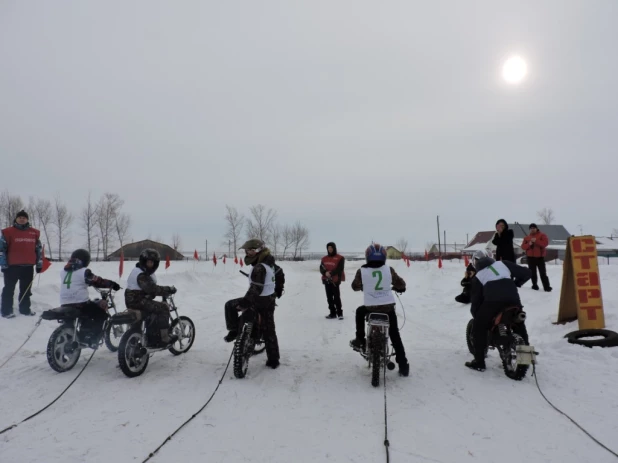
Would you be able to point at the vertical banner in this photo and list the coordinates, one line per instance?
(580, 296)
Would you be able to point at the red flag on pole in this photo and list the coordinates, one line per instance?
(408, 262)
(195, 256)
(214, 259)
(46, 261)
(223, 259)
(167, 261)
(241, 262)
(121, 264)
(236, 259)
(466, 261)
(439, 262)
(426, 255)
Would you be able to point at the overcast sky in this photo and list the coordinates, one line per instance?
(363, 120)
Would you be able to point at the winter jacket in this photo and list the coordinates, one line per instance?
(20, 245)
(504, 244)
(333, 263)
(252, 297)
(500, 291)
(399, 285)
(539, 247)
(467, 279)
(149, 289)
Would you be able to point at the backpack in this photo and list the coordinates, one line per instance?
(279, 281)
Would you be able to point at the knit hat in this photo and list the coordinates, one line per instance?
(533, 225)
(22, 213)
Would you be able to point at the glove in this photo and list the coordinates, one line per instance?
(171, 289)
(115, 286)
(37, 269)
(400, 291)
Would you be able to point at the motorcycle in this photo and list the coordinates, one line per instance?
(249, 341)
(67, 341)
(140, 342)
(377, 351)
(516, 354)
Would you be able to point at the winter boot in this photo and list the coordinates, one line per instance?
(230, 336)
(404, 369)
(476, 365)
(358, 344)
(272, 363)
(331, 315)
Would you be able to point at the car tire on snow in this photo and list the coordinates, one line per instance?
(610, 338)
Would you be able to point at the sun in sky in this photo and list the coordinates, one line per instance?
(514, 70)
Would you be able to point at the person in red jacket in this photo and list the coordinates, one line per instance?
(332, 272)
(20, 250)
(535, 245)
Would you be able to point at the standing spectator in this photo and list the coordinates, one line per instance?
(332, 272)
(20, 250)
(503, 239)
(535, 245)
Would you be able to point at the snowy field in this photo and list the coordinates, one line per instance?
(319, 406)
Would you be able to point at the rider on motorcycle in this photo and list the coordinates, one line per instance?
(492, 291)
(379, 298)
(75, 279)
(141, 290)
(260, 297)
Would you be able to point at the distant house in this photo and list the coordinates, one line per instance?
(447, 248)
(480, 242)
(393, 253)
(132, 251)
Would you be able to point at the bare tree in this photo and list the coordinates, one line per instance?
(176, 243)
(88, 217)
(402, 245)
(122, 225)
(235, 225)
(301, 239)
(10, 205)
(546, 215)
(287, 234)
(43, 212)
(62, 219)
(108, 209)
(261, 222)
(276, 235)
(31, 210)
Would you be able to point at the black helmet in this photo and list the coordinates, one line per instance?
(146, 255)
(82, 255)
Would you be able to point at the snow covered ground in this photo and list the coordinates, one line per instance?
(319, 406)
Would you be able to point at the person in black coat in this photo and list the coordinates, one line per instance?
(464, 297)
(503, 240)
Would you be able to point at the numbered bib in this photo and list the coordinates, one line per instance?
(73, 287)
(377, 284)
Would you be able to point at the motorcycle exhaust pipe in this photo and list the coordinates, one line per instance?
(390, 365)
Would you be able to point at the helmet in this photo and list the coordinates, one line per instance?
(255, 244)
(481, 254)
(375, 253)
(82, 255)
(146, 255)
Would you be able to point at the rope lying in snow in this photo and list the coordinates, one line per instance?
(386, 443)
(571, 419)
(55, 400)
(19, 348)
(195, 414)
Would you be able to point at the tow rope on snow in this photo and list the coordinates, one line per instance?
(386, 442)
(567, 416)
(169, 438)
(55, 400)
(38, 323)
(404, 312)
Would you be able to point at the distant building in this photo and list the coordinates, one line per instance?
(132, 251)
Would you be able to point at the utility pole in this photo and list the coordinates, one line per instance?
(207, 259)
(229, 247)
(467, 240)
(444, 241)
(439, 246)
(581, 230)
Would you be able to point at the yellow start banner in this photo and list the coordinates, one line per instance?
(580, 297)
